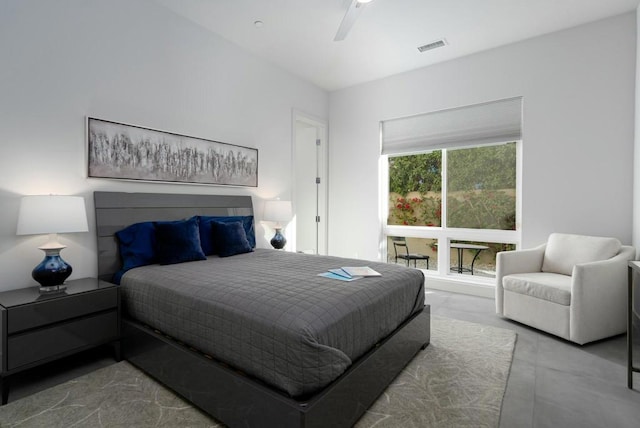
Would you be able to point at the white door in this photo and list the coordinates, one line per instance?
(310, 184)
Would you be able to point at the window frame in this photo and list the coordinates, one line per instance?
(444, 234)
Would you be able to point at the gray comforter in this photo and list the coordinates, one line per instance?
(269, 314)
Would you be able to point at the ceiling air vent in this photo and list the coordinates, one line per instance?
(433, 45)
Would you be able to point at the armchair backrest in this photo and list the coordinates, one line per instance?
(564, 251)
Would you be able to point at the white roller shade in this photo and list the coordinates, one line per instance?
(493, 122)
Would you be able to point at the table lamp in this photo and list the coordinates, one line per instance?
(52, 214)
(278, 212)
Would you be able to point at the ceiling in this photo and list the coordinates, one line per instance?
(297, 35)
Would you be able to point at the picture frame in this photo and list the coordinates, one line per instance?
(130, 152)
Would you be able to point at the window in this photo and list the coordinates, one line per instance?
(481, 187)
(453, 193)
(415, 189)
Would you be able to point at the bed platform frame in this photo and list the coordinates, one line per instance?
(218, 389)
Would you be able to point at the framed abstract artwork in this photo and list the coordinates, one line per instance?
(129, 152)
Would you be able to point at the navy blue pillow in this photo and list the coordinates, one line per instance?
(231, 238)
(208, 239)
(178, 242)
(137, 247)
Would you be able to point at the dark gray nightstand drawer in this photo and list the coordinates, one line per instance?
(47, 312)
(33, 346)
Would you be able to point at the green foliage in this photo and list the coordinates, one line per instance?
(422, 210)
(482, 209)
(404, 211)
(481, 188)
(486, 167)
(431, 212)
(479, 209)
(415, 173)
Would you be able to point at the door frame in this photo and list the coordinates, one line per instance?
(322, 128)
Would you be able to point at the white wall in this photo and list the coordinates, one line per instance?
(133, 62)
(636, 153)
(578, 89)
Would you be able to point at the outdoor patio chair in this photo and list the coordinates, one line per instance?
(401, 251)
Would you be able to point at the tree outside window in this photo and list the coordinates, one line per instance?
(480, 191)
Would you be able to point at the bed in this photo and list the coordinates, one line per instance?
(248, 367)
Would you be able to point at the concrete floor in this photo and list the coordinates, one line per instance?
(553, 383)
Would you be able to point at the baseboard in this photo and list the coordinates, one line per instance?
(458, 286)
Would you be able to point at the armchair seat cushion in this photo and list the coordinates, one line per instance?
(552, 287)
(564, 251)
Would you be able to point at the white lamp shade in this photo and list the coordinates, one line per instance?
(44, 214)
(278, 211)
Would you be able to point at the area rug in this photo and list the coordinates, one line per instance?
(458, 381)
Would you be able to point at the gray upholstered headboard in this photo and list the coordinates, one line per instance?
(117, 210)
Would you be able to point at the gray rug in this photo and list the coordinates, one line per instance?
(458, 381)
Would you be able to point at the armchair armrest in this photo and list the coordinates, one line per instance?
(520, 261)
(599, 297)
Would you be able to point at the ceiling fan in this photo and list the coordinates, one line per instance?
(355, 8)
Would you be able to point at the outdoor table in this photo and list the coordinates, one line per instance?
(460, 247)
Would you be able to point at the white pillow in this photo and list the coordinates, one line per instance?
(564, 251)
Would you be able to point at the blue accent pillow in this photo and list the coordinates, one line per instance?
(178, 241)
(137, 247)
(208, 240)
(231, 238)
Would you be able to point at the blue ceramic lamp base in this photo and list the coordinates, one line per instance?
(52, 272)
(278, 241)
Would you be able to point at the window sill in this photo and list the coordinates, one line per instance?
(460, 284)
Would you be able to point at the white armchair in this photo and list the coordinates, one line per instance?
(573, 286)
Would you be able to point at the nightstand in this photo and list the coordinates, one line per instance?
(37, 328)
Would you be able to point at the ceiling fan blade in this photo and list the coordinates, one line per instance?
(355, 8)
